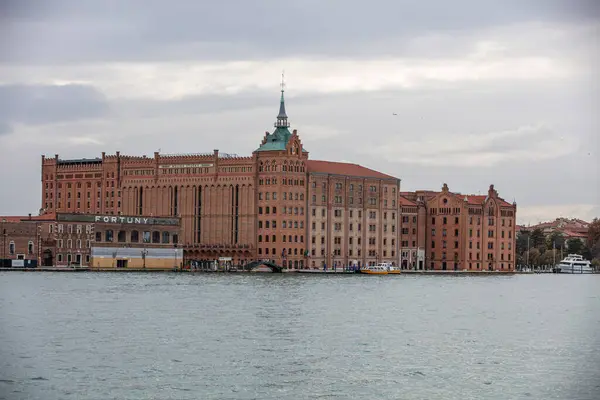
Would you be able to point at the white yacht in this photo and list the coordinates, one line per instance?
(574, 264)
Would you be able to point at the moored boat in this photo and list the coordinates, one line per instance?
(393, 269)
(574, 264)
(374, 269)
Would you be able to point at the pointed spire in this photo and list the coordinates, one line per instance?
(282, 121)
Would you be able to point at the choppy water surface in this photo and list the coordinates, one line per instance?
(285, 336)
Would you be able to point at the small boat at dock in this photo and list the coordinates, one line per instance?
(379, 269)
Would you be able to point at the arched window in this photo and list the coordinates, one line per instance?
(166, 237)
(259, 238)
(30, 247)
(121, 237)
(108, 235)
(135, 236)
(155, 237)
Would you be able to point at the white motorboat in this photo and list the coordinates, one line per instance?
(574, 264)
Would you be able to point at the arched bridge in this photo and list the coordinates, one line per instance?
(274, 267)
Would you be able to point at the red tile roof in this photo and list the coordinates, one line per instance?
(339, 168)
(405, 202)
(574, 234)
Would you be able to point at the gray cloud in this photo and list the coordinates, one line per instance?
(5, 128)
(42, 104)
(433, 118)
(73, 31)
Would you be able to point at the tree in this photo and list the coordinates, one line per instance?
(534, 256)
(575, 246)
(548, 258)
(593, 239)
(596, 264)
(537, 238)
(555, 240)
(521, 242)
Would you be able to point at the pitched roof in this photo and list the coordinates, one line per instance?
(406, 202)
(569, 233)
(339, 168)
(277, 140)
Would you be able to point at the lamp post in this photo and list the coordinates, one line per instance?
(39, 250)
(144, 253)
(4, 234)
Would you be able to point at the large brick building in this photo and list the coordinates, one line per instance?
(63, 240)
(453, 231)
(275, 204)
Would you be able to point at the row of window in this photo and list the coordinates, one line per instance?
(284, 252)
(284, 238)
(490, 256)
(456, 266)
(340, 186)
(71, 259)
(284, 224)
(284, 181)
(79, 185)
(272, 167)
(273, 196)
(491, 221)
(286, 210)
(339, 200)
(490, 245)
(12, 249)
(337, 226)
(78, 243)
(78, 205)
(156, 237)
(370, 253)
(338, 241)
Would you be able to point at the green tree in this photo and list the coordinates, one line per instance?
(548, 258)
(537, 238)
(555, 240)
(534, 256)
(521, 242)
(575, 246)
(593, 239)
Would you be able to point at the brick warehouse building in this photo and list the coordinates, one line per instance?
(73, 239)
(275, 204)
(452, 231)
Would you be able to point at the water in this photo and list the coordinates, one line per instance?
(285, 336)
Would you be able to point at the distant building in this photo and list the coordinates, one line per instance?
(23, 242)
(279, 205)
(66, 239)
(568, 228)
(459, 232)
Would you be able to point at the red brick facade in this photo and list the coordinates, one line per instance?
(277, 204)
(461, 232)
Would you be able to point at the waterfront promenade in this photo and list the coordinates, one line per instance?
(300, 271)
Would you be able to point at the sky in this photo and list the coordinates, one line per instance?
(468, 93)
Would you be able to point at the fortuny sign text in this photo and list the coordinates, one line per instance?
(121, 220)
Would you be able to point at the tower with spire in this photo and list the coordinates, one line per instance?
(282, 121)
(281, 136)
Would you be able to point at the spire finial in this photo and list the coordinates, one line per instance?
(282, 116)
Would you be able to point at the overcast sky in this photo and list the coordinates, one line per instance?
(467, 92)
